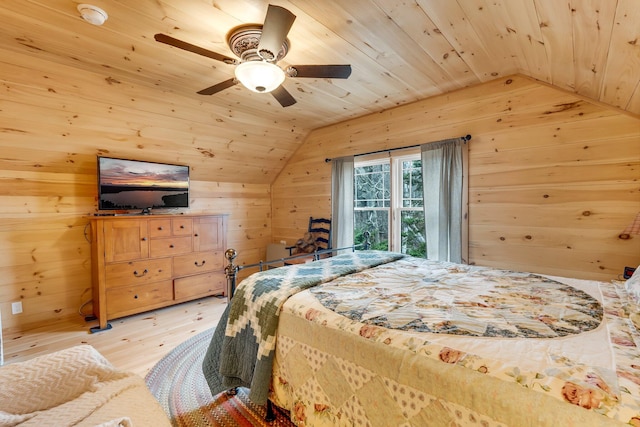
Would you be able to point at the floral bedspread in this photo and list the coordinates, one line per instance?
(462, 300)
(340, 365)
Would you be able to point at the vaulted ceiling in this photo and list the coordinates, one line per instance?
(400, 51)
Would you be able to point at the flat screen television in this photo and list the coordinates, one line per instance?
(133, 184)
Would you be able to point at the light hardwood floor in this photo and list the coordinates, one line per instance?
(135, 343)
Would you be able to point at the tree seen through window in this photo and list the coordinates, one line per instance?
(376, 204)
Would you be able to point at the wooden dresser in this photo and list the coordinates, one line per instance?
(144, 262)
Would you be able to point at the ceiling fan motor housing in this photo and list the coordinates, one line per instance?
(243, 42)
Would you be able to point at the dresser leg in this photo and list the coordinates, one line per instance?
(95, 329)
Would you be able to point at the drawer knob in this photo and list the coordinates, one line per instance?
(200, 265)
(160, 228)
(144, 239)
(135, 273)
(196, 234)
(182, 226)
(135, 297)
(171, 246)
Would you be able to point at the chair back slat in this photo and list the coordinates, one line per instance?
(321, 228)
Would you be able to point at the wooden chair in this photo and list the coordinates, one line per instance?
(321, 230)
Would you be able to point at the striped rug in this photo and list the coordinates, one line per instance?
(179, 385)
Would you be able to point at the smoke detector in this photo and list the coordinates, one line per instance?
(92, 14)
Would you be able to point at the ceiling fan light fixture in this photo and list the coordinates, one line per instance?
(259, 76)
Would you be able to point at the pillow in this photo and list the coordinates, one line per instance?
(632, 286)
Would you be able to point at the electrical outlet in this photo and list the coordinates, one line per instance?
(16, 307)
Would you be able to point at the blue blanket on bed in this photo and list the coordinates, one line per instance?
(243, 346)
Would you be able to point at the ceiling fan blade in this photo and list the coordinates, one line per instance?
(283, 96)
(276, 26)
(163, 38)
(320, 71)
(218, 87)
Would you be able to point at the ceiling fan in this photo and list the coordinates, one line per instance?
(259, 47)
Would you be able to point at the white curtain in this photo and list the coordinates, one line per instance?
(342, 202)
(445, 199)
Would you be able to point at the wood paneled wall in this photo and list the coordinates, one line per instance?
(554, 178)
(54, 121)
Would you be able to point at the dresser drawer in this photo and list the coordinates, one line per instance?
(199, 285)
(160, 227)
(198, 262)
(137, 272)
(182, 227)
(124, 300)
(169, 246)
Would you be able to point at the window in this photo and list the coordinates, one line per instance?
(388, 203)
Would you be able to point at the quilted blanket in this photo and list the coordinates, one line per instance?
(444, 298)
(242, 348)
(396, 345)
(75, 387)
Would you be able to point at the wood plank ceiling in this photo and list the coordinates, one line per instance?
(400, 51)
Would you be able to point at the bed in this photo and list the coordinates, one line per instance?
(376, 339)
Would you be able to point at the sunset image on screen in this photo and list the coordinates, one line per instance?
(119, 172)
(132, 184)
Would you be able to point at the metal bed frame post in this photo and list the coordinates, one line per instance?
(231, 272)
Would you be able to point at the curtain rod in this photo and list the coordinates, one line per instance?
(327, 160)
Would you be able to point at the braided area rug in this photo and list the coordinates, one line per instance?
(179, 385)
